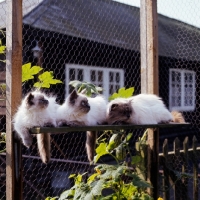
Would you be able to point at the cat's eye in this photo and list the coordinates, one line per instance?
(83, 103)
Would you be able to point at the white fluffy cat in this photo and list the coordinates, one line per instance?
(141, 109)
(80, 110)
(36, 109)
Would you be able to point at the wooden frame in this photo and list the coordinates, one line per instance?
(149, 84)
(13, 94)
(149, 81)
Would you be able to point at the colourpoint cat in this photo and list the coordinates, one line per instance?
(141, 109)
(80, 110)
(36, 109)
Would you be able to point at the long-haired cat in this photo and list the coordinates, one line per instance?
(36, 109)
(141, 109)
(80, 110)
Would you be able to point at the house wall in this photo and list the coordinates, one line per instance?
(165, 63)
(60, 50)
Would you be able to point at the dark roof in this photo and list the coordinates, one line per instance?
(113, 23)
(104, 21)
(28, 5)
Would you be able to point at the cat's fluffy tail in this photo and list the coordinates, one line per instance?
(177, 117)
(90, 144)
(44, 147)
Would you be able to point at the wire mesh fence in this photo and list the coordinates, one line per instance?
(99, 41)
(178, 83)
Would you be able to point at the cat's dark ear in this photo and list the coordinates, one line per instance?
(73, 96)
(29, 99)
(114, 106)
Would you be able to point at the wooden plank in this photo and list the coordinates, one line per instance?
(13, 89)
(190, 151)
(149, 79)
(66, 129)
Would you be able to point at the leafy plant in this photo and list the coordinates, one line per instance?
(2, 47)
(28, 72)
(51, 198)
(123, 93)
(87, 87)
(45, 79)
(2, 142)
(120, 181)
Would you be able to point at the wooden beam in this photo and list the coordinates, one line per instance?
(65, 129)
(149, 81)
(149, 46)
(13, 89)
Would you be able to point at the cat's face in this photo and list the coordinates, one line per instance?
(119, 113)
(36, 100)
(79, 103)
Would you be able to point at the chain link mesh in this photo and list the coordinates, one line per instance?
(99, 41)
(178, 85)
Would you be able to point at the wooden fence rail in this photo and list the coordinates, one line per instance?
(176, 173)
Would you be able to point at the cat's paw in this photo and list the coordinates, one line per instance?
(49, 124)
(27, 141)
(119, 123)
(74, 123)
(62, 123)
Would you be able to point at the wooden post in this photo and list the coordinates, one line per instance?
(166, 171)
(149, 81)
(149, 46)
(185, 168)
(177, 181)
(13, 89)
(195, 169)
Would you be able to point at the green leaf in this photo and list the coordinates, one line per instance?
(100, 151)
(114, 141)
(66, 194)
(137, 181)
(2, 49)
(75, 83)
(96, 190)
(81, 191)
(128, 190)
(87, 86)
(72, 175)
(122, 93)
(78, 178)
(135, 159)
(46, 79)
(28, 72)
(120, 152)
(92, 178)
(128, 137)
(51, 198)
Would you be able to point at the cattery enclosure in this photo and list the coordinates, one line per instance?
(112, 45)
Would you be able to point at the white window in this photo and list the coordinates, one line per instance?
(108, 78)
(181, 90)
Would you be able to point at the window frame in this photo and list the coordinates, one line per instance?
(86, 76)
(182, 107)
